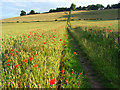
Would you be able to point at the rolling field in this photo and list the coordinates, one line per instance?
(102, 14)
(42, 54)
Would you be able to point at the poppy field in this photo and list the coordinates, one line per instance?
(40, 56)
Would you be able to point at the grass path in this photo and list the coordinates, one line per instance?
(86, 65)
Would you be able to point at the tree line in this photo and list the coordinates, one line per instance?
(89, 7)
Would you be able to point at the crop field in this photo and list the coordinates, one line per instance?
(43, 54)
(32, 57)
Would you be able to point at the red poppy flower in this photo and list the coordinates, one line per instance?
(74, 53)
(94, 32)
(16, 66)
(40, 36)
(54, 44)
(66, 81)
(28, 36)
(73, 73)
(8, 64)
(62, 71)
(13, 38)
(110, 30)
(60, 39)
(36, 55)
(53, 81)
(25, 60)
(31, 59)
(11, 54)
(44, 43)
(38, 85)
(8, 60)
(6, 56)
(16, 51)
(80, 73)
(53, 39)
(65, 44)
(33, 65)
(54, 36)
(38, 68)
(12, 49)
(21, 41)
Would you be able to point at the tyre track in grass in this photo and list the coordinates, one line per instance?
(85, 64)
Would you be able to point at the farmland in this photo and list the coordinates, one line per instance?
(42, 54)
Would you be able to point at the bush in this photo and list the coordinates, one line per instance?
(56, 20)
(17, 21)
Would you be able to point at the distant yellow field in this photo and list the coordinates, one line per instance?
(101, 14)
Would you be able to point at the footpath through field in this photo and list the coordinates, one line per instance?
(85, 64)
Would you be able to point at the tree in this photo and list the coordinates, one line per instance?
(73, 6)
(108, 7)
(22, 13)
(32, 12)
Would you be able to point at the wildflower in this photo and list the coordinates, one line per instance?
(28, 36)
(54, 44)
(66, 81)
(11, 54)
(53, 81)
(44, 43)
(80, 73)
(12, 49)
(13, 38)
(62, 71)
(16, 51)
(8, 60)
(16, 66)
(33, 65)
(73, 73)
(8, 64)
(74, 53)
(37, 84)
(31, 59)
(54, 36)
(60, 39)
(36, 55)
(25, 60)
(6, 56)
(110, 30)
(21, 41)
(65, 44)
(94, 32)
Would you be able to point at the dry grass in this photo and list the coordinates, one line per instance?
(102, 14)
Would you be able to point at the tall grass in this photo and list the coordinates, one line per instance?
(101, 46)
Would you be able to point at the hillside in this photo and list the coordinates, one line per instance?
(91, 14)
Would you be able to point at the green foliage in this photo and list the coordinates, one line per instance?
(101, 46)
(73, 6)
(22, 13)
(32, 12)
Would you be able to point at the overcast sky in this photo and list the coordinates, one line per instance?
(12, 8)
